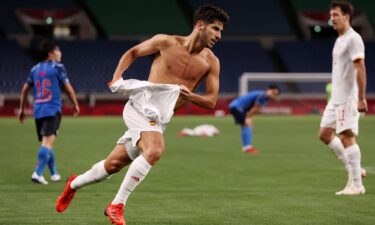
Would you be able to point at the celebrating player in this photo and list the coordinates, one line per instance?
(180, 63)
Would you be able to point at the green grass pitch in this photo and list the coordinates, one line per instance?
(198, 181)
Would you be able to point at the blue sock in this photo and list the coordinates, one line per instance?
(43, 157)
(247, 136)
(51, 162)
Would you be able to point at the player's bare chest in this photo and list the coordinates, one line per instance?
(186, 66)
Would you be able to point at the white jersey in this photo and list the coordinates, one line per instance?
(348, 48)
(155, 101)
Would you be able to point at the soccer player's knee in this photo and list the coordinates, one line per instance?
(114, 166)
(322, 137)
(325, 136)
(154, 154)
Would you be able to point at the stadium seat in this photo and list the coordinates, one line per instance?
(14, 66)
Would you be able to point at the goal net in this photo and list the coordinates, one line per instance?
(292, 85)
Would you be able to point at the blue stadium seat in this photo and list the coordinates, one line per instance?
(9, 22)
(90, 64)
(237, 57)
(251, 17)
(316, 56)
(305, 56)
(14, 66)
(370, 66)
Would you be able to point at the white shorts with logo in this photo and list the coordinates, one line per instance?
(341, 117)
(136, 123)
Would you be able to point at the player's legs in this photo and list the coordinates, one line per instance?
(345, 122)
(247, 133)
(347, 126)
(328, 137)
(48, 140)
(115, 161)
(151, 144)
(46, 130)
(246, 129)
(247, 137)
(152, 147)
(353, 154)
(149, 141)
(327, 134)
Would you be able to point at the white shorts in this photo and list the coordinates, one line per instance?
(136, 123)
(341, 117)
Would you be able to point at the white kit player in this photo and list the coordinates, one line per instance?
(341, 114)
(180, 64)
(203, 130)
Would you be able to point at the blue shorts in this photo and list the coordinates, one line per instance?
(238, 114)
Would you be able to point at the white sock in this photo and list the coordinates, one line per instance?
(96, 174)
(338, 148)
(353, 154)
(136, 173)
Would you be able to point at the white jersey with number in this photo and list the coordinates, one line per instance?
(348, 48)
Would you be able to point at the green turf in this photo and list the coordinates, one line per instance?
(199, 181)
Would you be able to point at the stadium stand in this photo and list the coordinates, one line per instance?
(370, 66)
(316, 56)
(306, 56)
(15, 64)
(117, 17)
(246, 17)
(9, 22)
(239, 56)
(322, 6)
(90, 64)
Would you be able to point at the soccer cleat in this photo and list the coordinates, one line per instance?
(38, 179)
(251, 150)
(352, 190)
(63, 201)
(115, 213)
(56, 177)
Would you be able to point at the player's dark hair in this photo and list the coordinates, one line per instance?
(345, 6)
(275, 87)
(210, 13)
(45, 47)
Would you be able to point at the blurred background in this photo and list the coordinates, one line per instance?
(277, 37)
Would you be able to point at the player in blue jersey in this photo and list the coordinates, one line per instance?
(245, 107)
(47, 78)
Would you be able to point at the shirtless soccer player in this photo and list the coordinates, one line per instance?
(180, 63)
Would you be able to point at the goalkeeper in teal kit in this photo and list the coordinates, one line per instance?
(244, 107)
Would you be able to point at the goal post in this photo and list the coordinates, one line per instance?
(246, 78)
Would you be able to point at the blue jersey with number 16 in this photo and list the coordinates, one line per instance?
(47, 79)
